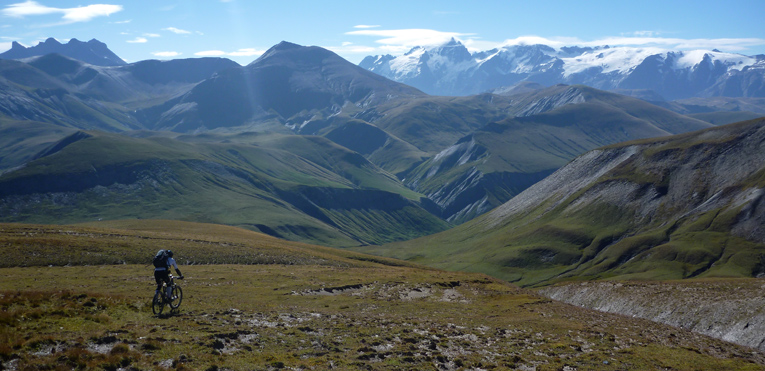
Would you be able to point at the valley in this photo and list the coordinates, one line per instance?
(333, 215)
(663, 208)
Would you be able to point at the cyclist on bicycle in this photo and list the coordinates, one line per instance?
(162, 271)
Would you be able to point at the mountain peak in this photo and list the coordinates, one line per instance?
(277, 49)
(452, 42)
(93, 52)
(50, 41)
(286, 45)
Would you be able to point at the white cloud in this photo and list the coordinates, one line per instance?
(210, 53)
(247, 52)
(353, 49)
(645, 33)
(401, 41)
(138, 40)
(727, 44)
(166, 54)
(176, 30)
(69, 15)
(151, 35)
(556, 42)
(409, 37)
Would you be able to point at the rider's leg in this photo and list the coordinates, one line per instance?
(158, 278)
(169, 288)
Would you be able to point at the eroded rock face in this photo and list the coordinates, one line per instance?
(731, 310)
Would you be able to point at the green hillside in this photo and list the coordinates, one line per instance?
(21, 141)
(677, 207)
(294, 187)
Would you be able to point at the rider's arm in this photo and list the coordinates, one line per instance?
(175, 265)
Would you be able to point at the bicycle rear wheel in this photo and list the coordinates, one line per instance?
(157, 304)
(178, 294)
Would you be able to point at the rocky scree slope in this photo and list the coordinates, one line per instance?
(731, 310)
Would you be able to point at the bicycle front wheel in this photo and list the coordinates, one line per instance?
(157, 304)
(178, 295)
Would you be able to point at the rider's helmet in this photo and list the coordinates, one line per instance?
(170, 253)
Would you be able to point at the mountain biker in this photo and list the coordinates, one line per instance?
(162, 272)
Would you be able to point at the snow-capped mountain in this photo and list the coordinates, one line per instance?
(450, 69)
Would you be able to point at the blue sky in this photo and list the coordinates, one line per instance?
(243, 29)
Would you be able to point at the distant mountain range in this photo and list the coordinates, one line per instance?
(360, 158)
(92, 52)
(450, 69)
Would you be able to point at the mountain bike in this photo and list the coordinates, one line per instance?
(161, 299)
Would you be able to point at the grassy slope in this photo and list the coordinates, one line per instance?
(227, 183)
(598, 240)
(434, 123)
(299, 306)
(722, 118)
(22, 140)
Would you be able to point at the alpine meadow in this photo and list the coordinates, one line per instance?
(410, 195)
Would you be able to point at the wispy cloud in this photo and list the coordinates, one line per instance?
(152, 35)
(355, 49)
(210, 53)
(366, 26)
(406, 38)
(246, 52)
(166, 54)
(176, 30)
(69, 15)
(726, 44)
(402, 40)
(642, 33)
(138, 40)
